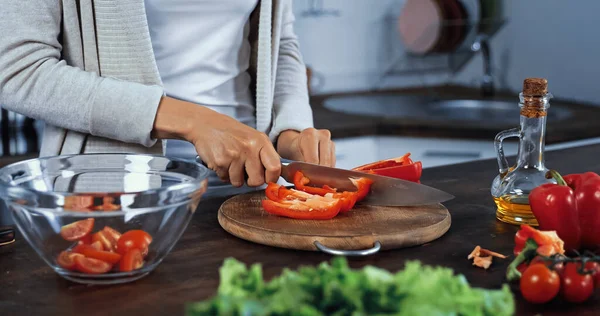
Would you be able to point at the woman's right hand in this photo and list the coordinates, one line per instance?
(230, 148)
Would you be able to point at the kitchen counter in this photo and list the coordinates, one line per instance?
(580, 125)
(190, 272)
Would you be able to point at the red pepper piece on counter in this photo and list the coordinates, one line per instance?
(548, 242)
(402, 168)
(586, 192)
(529, 243)
(555, 207)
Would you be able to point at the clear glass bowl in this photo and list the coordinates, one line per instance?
(123, 191)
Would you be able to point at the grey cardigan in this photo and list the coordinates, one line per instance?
(87, 69)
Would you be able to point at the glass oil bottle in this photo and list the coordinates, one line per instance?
(510, 189)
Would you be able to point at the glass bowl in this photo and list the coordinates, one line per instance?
(124, 192)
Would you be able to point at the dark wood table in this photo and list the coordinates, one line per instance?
(29, 287)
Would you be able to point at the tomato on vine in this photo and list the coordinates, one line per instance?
(576, 287)
(539, 284)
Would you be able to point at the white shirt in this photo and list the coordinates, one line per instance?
(202, 52)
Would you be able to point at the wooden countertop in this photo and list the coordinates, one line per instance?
(190, 271)
(581, 125)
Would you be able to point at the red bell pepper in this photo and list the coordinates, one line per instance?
(571, 207)
(555, 208)
(402, 168)
(586, 190)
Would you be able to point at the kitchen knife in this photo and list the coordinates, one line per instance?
(385, 191)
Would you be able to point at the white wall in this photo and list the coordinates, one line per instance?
(555, 39)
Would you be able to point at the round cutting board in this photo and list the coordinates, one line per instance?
(360, 228)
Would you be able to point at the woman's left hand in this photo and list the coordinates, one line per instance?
(311, 145)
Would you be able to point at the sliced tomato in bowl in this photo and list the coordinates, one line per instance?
(92, 252)
(66, 259)
(104, 238)
(77, 230)
(91, 265)
(134, 239)
(132, 260)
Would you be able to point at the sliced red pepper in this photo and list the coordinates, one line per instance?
(272, 191)
(316, 207)
(348, 199)
(363, 187)
(300, 182)
(555, 207)
(402, 168)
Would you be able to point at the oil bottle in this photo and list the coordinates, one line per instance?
(511, 188)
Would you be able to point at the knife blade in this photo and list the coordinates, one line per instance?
(385, 191)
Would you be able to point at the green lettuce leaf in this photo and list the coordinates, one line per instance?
(336, 289)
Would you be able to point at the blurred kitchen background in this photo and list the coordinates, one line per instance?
(437, 78)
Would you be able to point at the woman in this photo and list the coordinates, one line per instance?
(119, 75)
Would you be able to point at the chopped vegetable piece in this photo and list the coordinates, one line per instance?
(314, 208)
(66, 259)
(77, 230)
(91, 252)
(402, 168)
(132, 260)
(483, 257)
(108, 243)
(91, 265)
(483, 262)
(115, 235)
(300, 182)
(363, 187)
(134, 239)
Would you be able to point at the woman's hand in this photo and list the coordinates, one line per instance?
(227, 146)
(310, 145)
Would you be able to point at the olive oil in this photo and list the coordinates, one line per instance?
(514, 209)
(511, 187)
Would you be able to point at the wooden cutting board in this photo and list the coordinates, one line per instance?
(360, 228)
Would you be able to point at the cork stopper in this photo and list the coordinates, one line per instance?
(535, 87)
(534, 91)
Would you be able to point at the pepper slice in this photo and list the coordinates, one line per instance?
(300, 182)
(363, 187)
(402, 168)
(316, 207)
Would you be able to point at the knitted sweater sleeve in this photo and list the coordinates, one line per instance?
(291, 108)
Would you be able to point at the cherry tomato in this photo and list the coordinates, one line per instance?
(114, 234)
(576, 287)
(108, 243)
(539, 284)
(91, 265)
(77, 230)
(132, 260)
(87, 240)
(91, 252)
(134, 239)
(66, 259)
(594, 268)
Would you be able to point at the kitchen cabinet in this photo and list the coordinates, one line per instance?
(432, 152)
